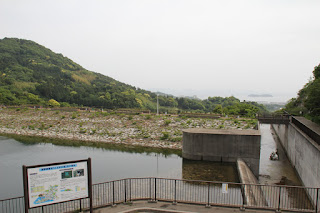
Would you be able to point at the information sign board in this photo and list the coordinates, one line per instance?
(58, 182)
(224, 188)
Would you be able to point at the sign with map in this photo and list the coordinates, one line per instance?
(55, 183)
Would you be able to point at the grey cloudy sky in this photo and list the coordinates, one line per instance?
(189, 47)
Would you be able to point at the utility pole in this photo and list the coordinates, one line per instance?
(157, 104)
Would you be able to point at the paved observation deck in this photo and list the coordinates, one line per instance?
(144, 206)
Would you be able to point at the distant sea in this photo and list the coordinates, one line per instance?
(266, 100)
(242, 95)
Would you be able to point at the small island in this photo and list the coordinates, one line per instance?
(260, 95)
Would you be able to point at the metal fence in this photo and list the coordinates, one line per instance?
(274, 119)
(207, 193)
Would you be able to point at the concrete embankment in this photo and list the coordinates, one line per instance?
(253, 194)
(302, 151)
(300, 140)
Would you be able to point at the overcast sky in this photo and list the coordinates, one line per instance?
(186, 47)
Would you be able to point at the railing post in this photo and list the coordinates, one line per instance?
(80, 205)
(242, 208)
(317, 200)
(150, 188)
(155, 189)
(125, 190)
(175, 193)
(279, 199)
(153, 198)
(208, 203)
(130, 189)
(113, 193)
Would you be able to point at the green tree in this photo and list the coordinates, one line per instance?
(53, 103)
(316, 72)
(312, 101)
(33, 99)
(218, 109)
(308, 101)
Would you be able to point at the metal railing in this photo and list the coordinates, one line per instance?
(313, 135)
(274, 119)
(207, 193)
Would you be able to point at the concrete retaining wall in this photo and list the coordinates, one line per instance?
(302, 151)
(223, 146)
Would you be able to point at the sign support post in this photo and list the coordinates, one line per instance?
(90, 184)
(25, 189)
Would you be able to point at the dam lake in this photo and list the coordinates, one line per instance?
(111, 162)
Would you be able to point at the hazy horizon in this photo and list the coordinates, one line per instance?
(204, 94)
(203, 48)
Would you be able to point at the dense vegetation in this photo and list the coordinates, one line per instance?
(307, 102)
(33, 74)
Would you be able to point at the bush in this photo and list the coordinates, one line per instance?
(53, 103)
(176, 139)
(93, 131)
(31, 127)
(165, 136)
(74, 115)
(167, 122)
(82, 130)
(65, 104)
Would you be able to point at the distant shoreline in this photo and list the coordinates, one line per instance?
(90, 140)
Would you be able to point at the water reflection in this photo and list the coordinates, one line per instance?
(109, 162)
(209, 171)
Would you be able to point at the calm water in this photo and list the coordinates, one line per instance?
(107, 164)
(115, 163)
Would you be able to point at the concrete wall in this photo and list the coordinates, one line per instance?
(223, 145)
(302, 151)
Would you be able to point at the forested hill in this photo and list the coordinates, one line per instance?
(33, 74)
(307, 103)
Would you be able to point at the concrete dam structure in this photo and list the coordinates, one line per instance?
(301, 141)
(223, 146)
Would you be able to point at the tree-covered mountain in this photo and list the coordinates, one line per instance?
(33, 74)
(307, 102)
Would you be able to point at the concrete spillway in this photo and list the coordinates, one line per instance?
(253, 194)
(223, 146)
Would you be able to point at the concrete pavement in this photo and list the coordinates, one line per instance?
(144, 207)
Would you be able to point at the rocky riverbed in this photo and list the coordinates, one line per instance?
(161, 131)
